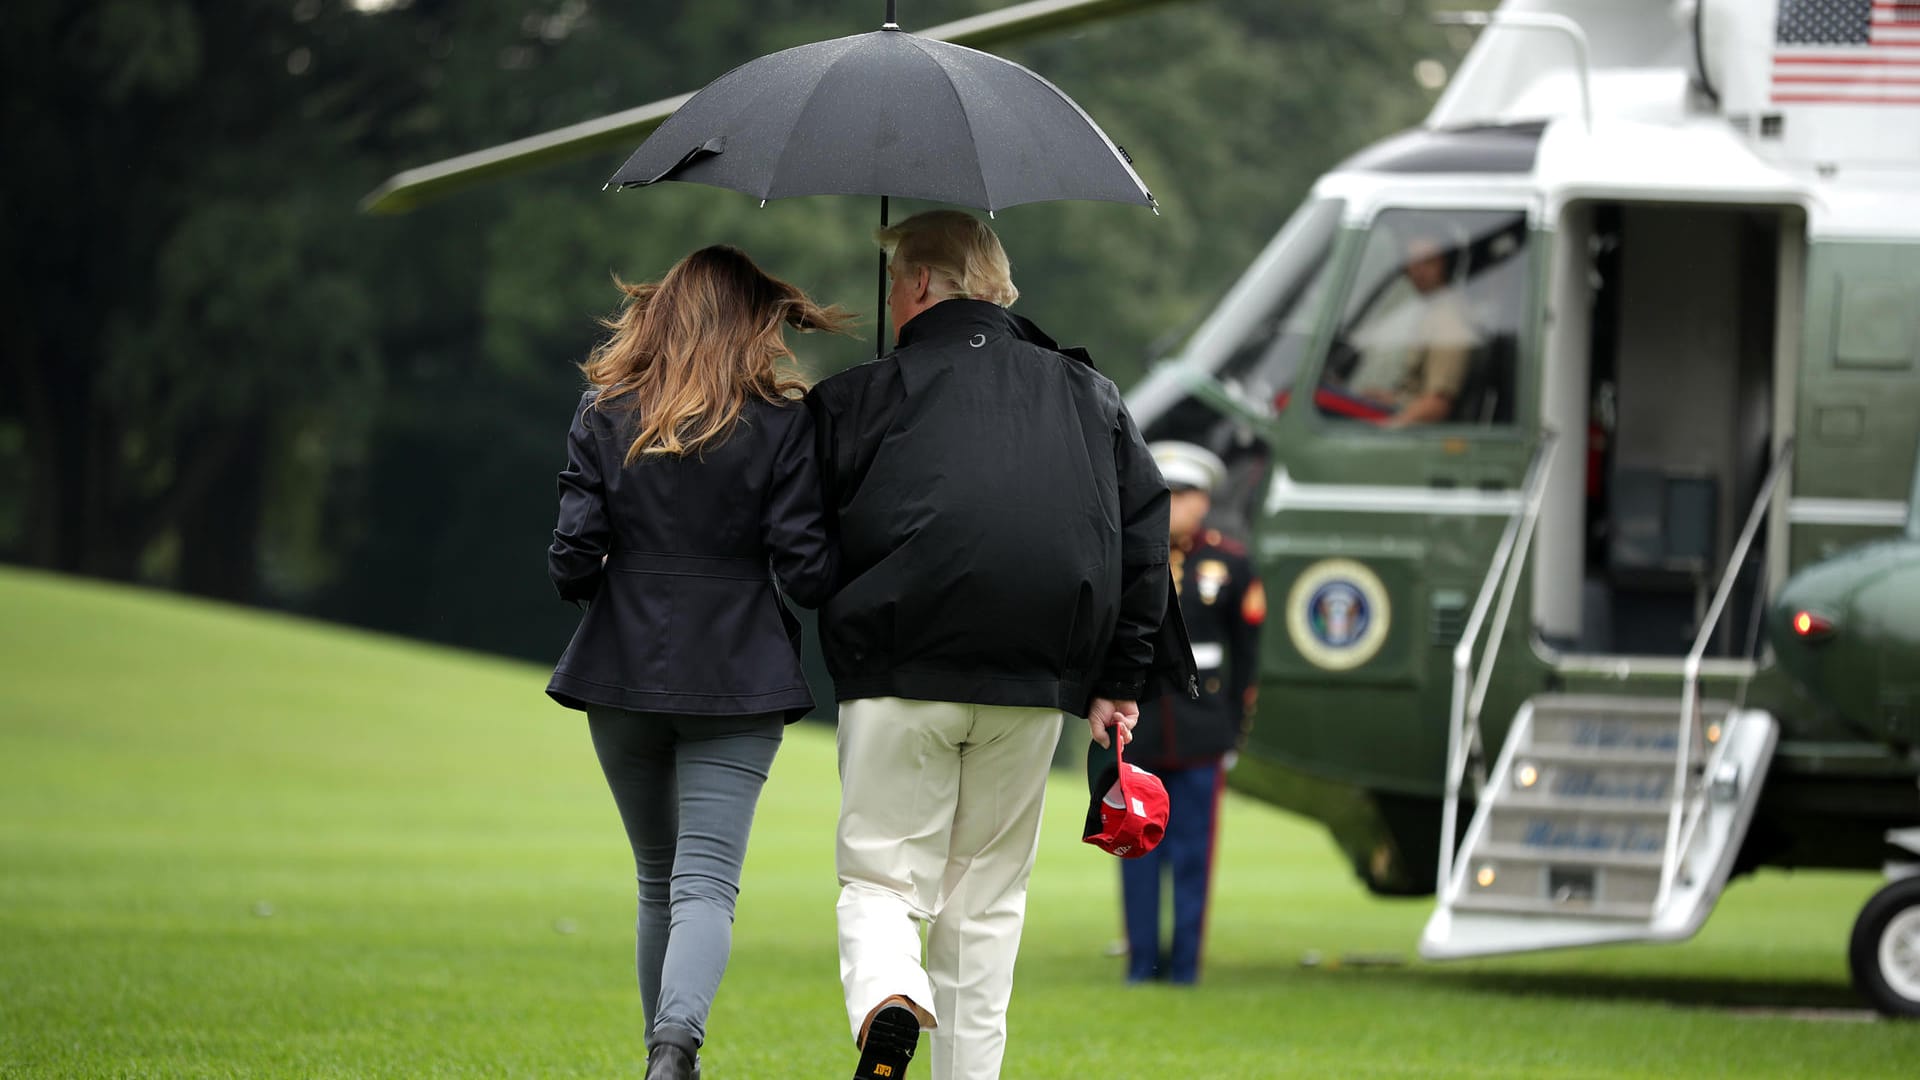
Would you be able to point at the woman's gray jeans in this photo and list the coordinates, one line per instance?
(686, 787)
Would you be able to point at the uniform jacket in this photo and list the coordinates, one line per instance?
(683, 617)
(1224, 605)
(1002, 527)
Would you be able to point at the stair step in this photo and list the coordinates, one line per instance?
(1637, 785)
(1567, 754)
(1637, 734)
(1559, 705)
(1511, 905)
(1624, 724)
(1586, 866)
(1534, 804)
(1629, 835)
(1524, 853)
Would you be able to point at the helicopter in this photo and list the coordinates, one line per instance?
(1633, 609)
(1576, 436)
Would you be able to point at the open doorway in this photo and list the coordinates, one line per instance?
(1673, 435)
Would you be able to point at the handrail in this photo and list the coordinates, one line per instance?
(1696, 812)
(1530, 517)
(1690, 685)
(1459, 746)
(1502, 769)
(1913, 502)
(1514, 20)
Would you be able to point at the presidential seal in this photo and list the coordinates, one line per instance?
(1338, 614)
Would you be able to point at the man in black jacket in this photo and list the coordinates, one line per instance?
(1003, 539)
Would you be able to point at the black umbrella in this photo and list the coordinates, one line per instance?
(887, 113)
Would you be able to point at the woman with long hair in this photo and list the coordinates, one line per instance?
(691, 486)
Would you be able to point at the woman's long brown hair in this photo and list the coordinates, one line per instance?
(688, 350)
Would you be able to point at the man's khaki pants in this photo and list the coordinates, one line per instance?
(939, 821)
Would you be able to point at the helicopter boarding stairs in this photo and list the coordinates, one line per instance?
(1607, 817)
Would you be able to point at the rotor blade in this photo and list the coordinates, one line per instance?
(1022, 21)
(406, 190)
(409, 189)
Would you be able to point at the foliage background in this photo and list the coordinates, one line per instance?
(217, 376)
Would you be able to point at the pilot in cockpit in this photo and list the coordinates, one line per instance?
(1415, 345)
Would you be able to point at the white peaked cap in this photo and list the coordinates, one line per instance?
(1186, 465)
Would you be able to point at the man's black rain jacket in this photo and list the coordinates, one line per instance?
(1002, 527)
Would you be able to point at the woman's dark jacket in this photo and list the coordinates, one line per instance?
(683, 617)
(1002, 526)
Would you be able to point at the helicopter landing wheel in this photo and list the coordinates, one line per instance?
(1885, 950)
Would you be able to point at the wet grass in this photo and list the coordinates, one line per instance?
(239, 845)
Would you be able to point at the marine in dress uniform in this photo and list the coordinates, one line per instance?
(1186, 742)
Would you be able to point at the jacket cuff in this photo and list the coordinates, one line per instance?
(1120, 686)
(579, 591)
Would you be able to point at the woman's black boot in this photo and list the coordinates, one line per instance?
(669, 1062)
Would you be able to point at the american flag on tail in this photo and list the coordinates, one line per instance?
(1847, 52)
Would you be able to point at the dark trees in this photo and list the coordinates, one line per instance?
(216, 375)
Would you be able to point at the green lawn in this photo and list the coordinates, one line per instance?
(240, 845)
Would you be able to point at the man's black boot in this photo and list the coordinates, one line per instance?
(889, 1045)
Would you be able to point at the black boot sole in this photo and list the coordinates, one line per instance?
(891, 1040)
(660, 1063)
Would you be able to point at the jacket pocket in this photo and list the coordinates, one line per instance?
(857, 626)
(624, 635)
(731, 639)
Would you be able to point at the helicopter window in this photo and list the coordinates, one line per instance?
(1267, 359)
(1431, 326)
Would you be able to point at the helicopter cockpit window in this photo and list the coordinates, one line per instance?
(1271, 334)
(1265, 362)
(1430, 331)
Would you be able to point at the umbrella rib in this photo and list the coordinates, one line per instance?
(920, 45)
(1112, 147)
(790, 144)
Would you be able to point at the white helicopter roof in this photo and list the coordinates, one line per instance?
(1562, 100)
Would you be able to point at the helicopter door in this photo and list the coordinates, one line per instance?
(1664, 369)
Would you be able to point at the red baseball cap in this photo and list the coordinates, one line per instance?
(1127, 814)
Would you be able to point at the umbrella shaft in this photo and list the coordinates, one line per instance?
(891, 20)
(880, 307)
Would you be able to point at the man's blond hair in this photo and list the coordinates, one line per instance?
(963, 255)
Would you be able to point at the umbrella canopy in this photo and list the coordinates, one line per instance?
(887, 113)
